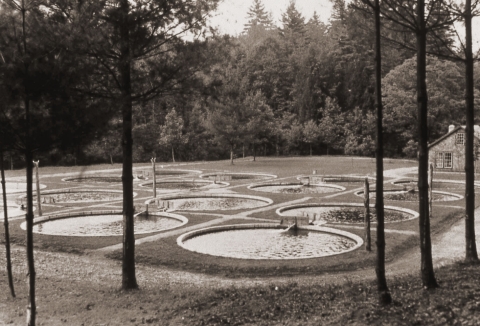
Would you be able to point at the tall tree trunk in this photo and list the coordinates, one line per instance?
(231, 155)
(471, 247)
(427, 273)
(243, 150)
(254, 151)
(31, 308)
(128, 264)
(383, 291)
(5, 225)
(173, 155)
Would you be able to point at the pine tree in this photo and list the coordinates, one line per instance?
(258, 16)
(293, 21)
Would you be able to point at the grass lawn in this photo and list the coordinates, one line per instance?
(180, 287)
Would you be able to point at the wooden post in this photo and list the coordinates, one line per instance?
(39, 205)
(430, 188)
(368, 239)
(154, 177)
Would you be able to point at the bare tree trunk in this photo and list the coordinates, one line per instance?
(128, 264)
(173, 155)
(111, 159)
(427, 273)
(366, 195)
(5, 225)
(470, 245)
(231, 155)
(383, 291)
(254, 151)
(243, 150)
(31, 308)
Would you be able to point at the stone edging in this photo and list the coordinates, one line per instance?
(191, 234)
(413, 213)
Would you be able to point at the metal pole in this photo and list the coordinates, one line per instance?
(366, 202)
(39, 205)
(154, 177)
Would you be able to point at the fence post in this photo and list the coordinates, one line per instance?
(430, 189)
(366, 193)
(39, 205)
(154, 177)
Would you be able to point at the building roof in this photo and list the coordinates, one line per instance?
(476, 132)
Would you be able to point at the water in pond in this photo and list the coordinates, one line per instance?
(269, 244)
(16, 187)
(215, 203)
(295, 189)
(73, 197)
(103, 225)
(98, 179)
(338, 214)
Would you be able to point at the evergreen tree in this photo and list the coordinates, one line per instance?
(258, 16)
(293, 22)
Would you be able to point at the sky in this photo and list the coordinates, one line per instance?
(232, 15)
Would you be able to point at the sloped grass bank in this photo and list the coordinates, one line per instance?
(307, 301)
(456, 302)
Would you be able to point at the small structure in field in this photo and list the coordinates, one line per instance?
(448, 152)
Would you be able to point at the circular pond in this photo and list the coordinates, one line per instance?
(344, 213)
(412, 195)
(16, 187)
(269, 242)
(107, 224)
(228, 176)
(210, 202)
(319, 179)
(194, 185)
(439, 184)
(95, 179)
(13, 210)
(175, 172)
(78, 195)
(296, 188)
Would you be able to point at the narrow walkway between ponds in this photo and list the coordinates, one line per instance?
(242, 215)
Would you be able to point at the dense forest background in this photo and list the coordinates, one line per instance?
(300, 88)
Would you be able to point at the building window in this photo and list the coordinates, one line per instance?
(460, 138)
(439, 160)
(444, 160)
(447, 160)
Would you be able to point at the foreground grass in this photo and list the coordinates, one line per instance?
(304, 302)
